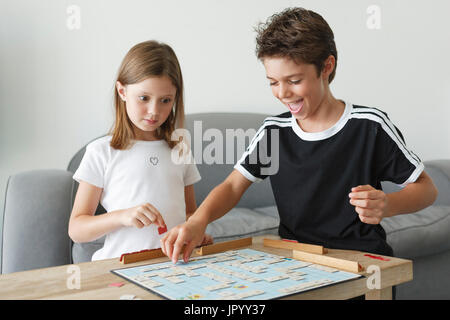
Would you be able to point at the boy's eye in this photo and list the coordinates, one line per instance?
(273, 83)
(295, 81)
(143, 98)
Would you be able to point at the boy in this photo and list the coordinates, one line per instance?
(332, 154)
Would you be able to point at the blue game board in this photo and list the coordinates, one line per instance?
(233, 275)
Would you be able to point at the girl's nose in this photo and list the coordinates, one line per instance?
(152, 107)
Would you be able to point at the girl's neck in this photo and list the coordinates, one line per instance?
(141, 135)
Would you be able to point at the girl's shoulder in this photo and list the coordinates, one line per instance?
(101, 144)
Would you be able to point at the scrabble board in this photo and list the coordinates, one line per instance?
(233, 275)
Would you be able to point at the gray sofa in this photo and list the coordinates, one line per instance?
(38, 205)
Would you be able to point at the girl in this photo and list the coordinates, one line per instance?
(130, 171)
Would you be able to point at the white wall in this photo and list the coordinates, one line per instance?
(56, 84)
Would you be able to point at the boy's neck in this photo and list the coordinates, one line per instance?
(326, 115)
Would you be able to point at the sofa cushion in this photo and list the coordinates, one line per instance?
(82, 252)
(228, 134)
(270, 211)
(419, 234)
(242, 223)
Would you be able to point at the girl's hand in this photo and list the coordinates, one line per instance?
(141, 216)
(370, 204)
(207, 239)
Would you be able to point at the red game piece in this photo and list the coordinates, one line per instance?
(116, 284)
(377, 257)
(162, 230)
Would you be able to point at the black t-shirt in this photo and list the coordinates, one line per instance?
(312, 174)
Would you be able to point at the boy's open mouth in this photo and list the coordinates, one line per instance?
(296, 106)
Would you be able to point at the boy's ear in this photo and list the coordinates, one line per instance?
(121, 90)
(328, 66)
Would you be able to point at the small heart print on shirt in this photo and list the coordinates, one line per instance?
(154, 160)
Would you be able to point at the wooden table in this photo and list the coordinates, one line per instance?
(95, 277)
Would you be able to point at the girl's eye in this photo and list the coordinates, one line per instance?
(143, 98)
(166, 100)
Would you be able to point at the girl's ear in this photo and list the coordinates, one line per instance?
(121, 90)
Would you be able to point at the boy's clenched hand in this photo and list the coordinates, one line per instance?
(370, 204)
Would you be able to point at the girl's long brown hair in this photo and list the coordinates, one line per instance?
(145, 60)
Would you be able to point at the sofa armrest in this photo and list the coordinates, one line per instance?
(443, 165)
(439, 171)
(35, 220)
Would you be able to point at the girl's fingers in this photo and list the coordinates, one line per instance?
(144, 219)
(146, 216)
(137, 223)
(156, 216)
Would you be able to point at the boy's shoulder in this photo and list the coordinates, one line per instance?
(376, 117)
(282, 116)
(365, 109)
(281, 120)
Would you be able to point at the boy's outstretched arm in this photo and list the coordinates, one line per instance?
(218, 202)
(373, 205)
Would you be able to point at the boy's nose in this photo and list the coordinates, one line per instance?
(283, 91)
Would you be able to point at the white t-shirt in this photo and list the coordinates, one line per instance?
(143, 173)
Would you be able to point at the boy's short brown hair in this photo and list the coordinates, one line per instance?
(299, 34)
